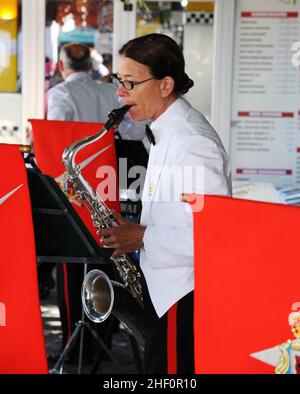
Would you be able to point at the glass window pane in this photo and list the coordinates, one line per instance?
(86, 21)
(9, 30)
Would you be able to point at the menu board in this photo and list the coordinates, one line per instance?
(265, 123)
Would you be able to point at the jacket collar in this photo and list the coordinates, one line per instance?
(161, 126)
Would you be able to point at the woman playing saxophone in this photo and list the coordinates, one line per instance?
(151, 78)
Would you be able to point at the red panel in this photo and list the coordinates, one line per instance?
(22, 347)
(51, 137)
(246, 280)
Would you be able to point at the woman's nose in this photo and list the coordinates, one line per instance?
(121, 91)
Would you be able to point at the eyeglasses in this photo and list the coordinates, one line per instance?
(128, 85)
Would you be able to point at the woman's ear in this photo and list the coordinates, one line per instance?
(167, 86)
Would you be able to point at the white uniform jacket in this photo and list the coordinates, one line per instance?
(188, 157)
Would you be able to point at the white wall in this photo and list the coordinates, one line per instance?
(198, 48)
(33, 61)
(224, 24)
(124, 27)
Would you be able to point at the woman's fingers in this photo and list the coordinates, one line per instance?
(109, 241)
(119, 217)
(105, 232)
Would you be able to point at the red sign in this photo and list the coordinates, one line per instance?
(246, 281)
(22, 347)
(51, 137)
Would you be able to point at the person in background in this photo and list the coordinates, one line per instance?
(80, 98)
(151, 77)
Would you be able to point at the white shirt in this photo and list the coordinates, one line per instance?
(80, 98)
(187, 145)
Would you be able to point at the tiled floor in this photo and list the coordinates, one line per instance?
(121, 347)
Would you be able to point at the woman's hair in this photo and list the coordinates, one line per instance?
(163, 57)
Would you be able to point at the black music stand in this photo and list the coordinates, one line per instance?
(61, 236)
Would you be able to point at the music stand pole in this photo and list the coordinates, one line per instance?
(82, 331)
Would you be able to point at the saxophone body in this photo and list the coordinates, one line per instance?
(100, 295)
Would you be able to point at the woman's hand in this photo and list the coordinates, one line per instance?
(125, 238)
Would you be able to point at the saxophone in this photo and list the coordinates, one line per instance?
(100, 295)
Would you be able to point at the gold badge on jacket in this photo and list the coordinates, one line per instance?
(150, 189)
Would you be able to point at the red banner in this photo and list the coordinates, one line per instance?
(22, 347)
(246, 280)
(51, 137)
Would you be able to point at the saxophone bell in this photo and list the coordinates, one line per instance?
(102, 296)
(97, 296)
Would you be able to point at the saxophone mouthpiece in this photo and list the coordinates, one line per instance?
(116, 116)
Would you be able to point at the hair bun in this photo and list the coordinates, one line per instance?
(187, 83)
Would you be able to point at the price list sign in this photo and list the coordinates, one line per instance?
(265, 125)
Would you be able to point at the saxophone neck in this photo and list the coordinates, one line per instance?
(115, 117)
(71, 151)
